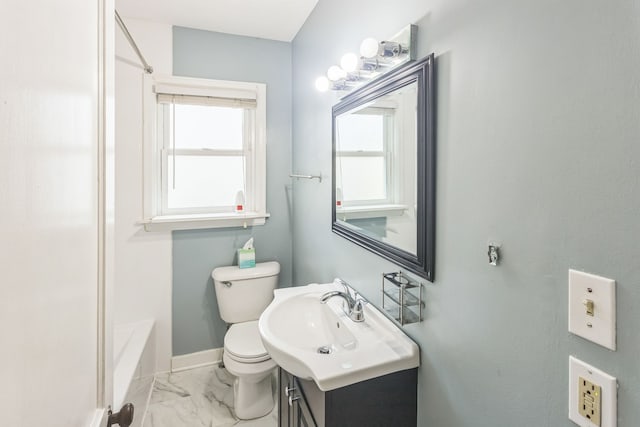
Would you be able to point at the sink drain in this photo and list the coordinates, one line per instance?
(325, 349)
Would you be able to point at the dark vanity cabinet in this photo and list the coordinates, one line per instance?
(293, 407)
(387, 401)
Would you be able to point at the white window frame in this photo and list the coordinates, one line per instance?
(387, 153)
(255, 180)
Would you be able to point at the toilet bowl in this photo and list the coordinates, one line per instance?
(246, 358)
(242, 296)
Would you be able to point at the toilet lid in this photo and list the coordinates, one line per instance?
(243, 341)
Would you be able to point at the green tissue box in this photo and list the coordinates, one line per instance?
(246, 258)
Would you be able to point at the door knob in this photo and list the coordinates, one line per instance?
(124, 418)
(288, 390)
(292, 399)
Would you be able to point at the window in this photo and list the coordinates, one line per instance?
(363, 157)
(205, 154)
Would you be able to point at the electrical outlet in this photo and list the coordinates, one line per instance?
(589, 403)
(592, 396)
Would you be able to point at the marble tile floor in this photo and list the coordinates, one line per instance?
(200, 397)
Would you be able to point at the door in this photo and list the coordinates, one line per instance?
(301, 410)
(293, 410)
(54, 234)
(285, 410)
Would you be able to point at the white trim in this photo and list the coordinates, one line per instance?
(260, 145)
(106, 206)
(370, 211)
(206, 87)
(195, 221)
(150, 153)
(208, 101)
(196, 360)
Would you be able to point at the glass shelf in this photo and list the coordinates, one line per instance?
(402, 298)
(410, 300)
(408, 316)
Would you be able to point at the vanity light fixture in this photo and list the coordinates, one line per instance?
(369, 47)
(335, 73)
(322, 84)
(349, 62)
(375, 59)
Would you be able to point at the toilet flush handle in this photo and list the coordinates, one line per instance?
(227, 284)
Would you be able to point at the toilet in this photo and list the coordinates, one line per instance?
(242, 296)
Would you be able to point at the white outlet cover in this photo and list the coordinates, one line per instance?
(601, 327)
(609, 393)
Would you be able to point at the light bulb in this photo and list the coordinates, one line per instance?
(349, 62)
(322, 84)
(369, 47)
(336, 73)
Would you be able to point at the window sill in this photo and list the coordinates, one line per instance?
(370, 211)
(199, 221)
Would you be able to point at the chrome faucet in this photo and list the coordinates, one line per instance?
(354, 303)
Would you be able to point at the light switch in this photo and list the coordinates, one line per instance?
(592, 308)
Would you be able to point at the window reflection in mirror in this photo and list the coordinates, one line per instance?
(376, 164)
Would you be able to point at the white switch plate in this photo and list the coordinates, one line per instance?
(609, 393)
(601, 327)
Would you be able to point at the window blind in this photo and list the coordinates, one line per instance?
(212, 101)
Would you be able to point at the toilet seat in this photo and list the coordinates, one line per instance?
(242, 343)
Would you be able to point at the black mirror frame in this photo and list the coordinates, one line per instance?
(422, 72)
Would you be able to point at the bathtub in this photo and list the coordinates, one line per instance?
(133, 365)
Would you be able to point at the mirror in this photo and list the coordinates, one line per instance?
(384, 167)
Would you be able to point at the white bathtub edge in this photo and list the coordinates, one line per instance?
(125, 370)
(196, 360)
(148, 401)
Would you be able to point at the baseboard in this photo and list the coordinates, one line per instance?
(196, 360)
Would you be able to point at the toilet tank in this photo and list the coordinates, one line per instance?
(244, 293)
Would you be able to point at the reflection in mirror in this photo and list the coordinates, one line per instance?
(384, 167)
(376, 168)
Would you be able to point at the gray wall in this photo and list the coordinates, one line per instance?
(196, 321)
(538, 147)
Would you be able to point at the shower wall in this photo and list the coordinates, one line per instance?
(142, 259)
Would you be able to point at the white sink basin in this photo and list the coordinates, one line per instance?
(318, 341)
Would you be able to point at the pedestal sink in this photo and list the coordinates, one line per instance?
(319, 342)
